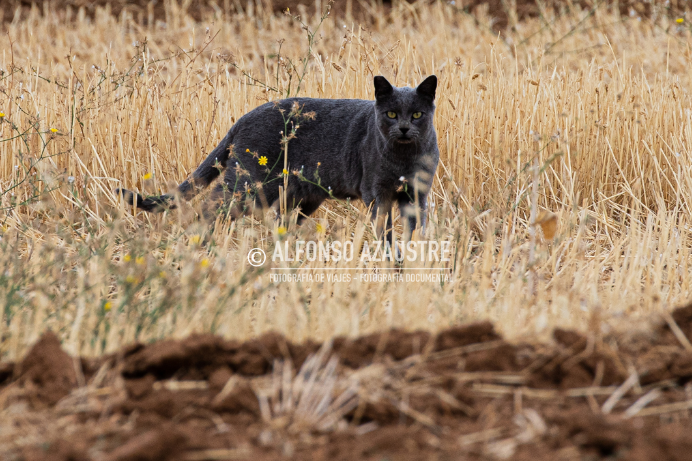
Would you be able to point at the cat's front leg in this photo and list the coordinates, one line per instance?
(381, 215)
(413, 211)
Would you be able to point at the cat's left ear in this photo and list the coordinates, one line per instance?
(427, 87)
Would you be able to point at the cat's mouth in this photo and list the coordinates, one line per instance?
(404, 139)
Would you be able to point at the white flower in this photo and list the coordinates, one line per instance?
(402, 179)
(70, 179)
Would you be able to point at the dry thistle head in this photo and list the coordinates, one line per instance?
(226, 57)
(240, 171)
(295, 109)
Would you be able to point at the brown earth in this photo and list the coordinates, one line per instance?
(145, 10)
(464, 393)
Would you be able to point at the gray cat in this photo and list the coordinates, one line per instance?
(381, 151)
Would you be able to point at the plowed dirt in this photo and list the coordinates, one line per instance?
(464, 393)
(145, 11)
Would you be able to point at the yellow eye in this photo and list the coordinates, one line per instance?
(391, 114)
(417, 114)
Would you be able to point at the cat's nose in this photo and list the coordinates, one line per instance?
(403, 130)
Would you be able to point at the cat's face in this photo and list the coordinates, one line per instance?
(405, 115)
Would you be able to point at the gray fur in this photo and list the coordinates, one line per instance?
(362, 153)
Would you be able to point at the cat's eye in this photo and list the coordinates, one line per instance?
(391, 114)
(417, 115)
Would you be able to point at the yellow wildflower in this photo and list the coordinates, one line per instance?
(247, 150)
(2, 114)
(680, 20)
(147, 176)
(319, 228)
(53, 130)
(285, 171)
(140, 260)
(162, 274)
(127, 258)
(262, 160)
(194, 239)
(281, 230)
(130, 279)
(204, 263)
(107, 306)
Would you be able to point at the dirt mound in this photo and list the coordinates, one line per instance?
(199, 356)
(400, 395)
(47, 372)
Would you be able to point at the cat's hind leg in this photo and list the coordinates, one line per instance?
(307, 207)
(236, 196)
(220, 201)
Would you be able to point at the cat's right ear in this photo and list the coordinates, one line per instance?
(382, 87)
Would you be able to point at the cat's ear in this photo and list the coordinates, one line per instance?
(427, 87)
(382, 87)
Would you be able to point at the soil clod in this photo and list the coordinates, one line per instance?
(400, 395)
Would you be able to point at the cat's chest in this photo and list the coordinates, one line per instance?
(396, 172)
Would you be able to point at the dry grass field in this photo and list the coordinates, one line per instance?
(564, 187)
(579, 126)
